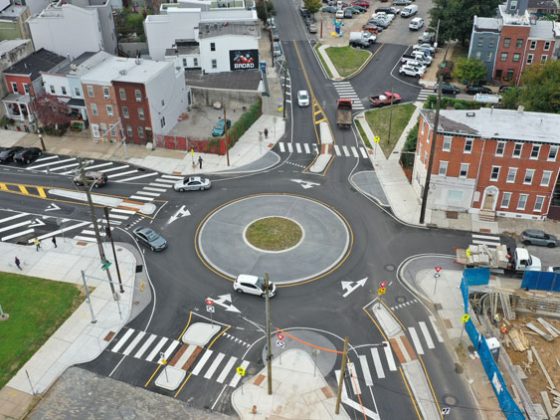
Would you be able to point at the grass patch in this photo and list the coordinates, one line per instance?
(323, 62)
(378, 120)
(273, 233)
(37, 308)
(347, 59)
(363, 135)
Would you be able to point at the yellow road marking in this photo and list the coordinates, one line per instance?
(430, 384)
(152, 377)
(186, 326)
(183, 385)
(23, 189)
(41, 192)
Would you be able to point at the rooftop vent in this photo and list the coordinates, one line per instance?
(471, 114)
(122, 72)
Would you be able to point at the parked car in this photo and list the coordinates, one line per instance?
(424, 46)
(253, 285)
(28, 155)
(416, 63)
(192, 183)
(538, 237)
(276, 49)
(220, 128)
(448, 89)
(371, 28)
(409, 10)
(95, 178)
(150, 238)
(416, 24)
(304, 12)
(275, 34)
(474, 89)
(312, 28)
(329, 9)
(380, 22)
(302, 98)
(357, 10)
(7, 155)
(364, 4)
(411, 71)
(427, 37)
(339, 14)
(402, 2)
(348, 13)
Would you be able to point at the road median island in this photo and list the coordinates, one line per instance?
(347, 60)
(274, 234)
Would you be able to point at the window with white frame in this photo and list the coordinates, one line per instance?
(122, 94)
(94, 109)
(113, 131)
(214, 63)
(544, 57)
(141, 113)
(129, 131)
(125, 112)
(530, 58)
(138, 95)
(15, 88)
(63, 88)
(51, 88)
(26, 89)
(464, 170)
(517, 150)
(506, 199)
(184, 62)
(535, 151)
(512, 173)
(545, 179)
(106, 92)
(500, 147)
(552, 153)
(442, 168)
(468, 144)
(522, 201)
(446, 147)
(109, 109)
(533, 45)
(195, 62)
(528, 178)
(547, 45)
(77, 92)
(141, 132)
(495, 174)
(539, 203)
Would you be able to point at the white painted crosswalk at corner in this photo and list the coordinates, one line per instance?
(235, 380)
(436, 329)
(423, 94)
(214, 365)
(148, 193)
(155, 351)
(134, 342)
(225, 371)
(427, 336)
(306, 147)
(491, 241)
(298, 147)
(345, 150)
(312, 148)
(145, 346)
(122, 341)
(137, 177)
(416, 340)
(198, 368)
(282, 147)
(346, 90)
(377, 362)
(290, 147)
(389, 357)
(365, 370)
(337, 149)
(168, 351)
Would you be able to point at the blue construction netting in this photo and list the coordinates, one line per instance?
(541, 280)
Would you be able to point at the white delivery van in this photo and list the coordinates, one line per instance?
(416, 24)
(409, 10)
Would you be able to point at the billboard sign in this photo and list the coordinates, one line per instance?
(244, 59)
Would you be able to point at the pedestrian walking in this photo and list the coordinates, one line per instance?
(18, 263)
(266, 133)
(37, 243)
(54, 241)
(200, 162)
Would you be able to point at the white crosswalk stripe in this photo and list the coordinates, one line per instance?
(491, 241)
(416, 340)
(145, 346)
(427, 336)
(377, 363)
(235, 380)
(214, 365)
(336, 150)
(363, 152)
(345, 150)
(155, 351)
(346, 90)
(424, 93)
(290, 147)
(298, 147)
(134, 343)
(354, 152)
(306, 147)
(122, 341)
(282, 148)
(436, 330)
(365, 370)
(198, 368)
(112, 176)
(134, 178)
(229, 365)
(389, 357)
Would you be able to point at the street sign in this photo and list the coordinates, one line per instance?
(280, 336)
(376, 139)
(106, 265)
(465, 318)
(209, 301)
(240, 371)
(381, 291)
(210, 309)
(280, 343)
(437, 268)
(445, 411)
(384, 284)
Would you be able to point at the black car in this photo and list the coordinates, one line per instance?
(388, 10)
(28, 155)
(150, 238)
(474, 89)
(448, 89)
(7, 155)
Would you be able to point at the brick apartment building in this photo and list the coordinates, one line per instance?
(491, 162)
(514, 40)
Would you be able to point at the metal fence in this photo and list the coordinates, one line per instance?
(541, 280)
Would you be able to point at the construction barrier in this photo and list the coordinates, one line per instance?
(541, 280)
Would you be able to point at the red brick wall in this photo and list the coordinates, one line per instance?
(20, 81)
(538, 52)
(514, 33)
(131, 124)
(102, 116)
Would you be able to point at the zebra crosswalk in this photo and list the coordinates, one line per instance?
(423, 94)
(312, 148)
(205, 363)
(345, 90)
(491, 241)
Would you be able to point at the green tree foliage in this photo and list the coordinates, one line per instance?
(313, 5)
(471, 70)
(456, 17)
(540, 89)
(511, 97)
(262, 13)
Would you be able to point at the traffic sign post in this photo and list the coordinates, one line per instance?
(437, 270)
(382, 289)
(464, 319)
(210, 309)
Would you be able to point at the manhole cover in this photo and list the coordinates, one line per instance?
(458, 368)
(449, 399)
(400, 299)
(390, 267)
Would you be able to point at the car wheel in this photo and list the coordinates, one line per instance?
(238, 290)
(152, 248)
(526, 242)
(182, 189)
(551, 245)
(201, 188)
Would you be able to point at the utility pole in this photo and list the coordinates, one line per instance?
(342, 373)
(226, 135)
(437, 34)
(42, 141)
(390, 117)
(110, 236)
(268, 332)
(285, 71)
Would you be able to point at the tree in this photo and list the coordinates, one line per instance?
(313, 5)
(456, 17)
(540, 91)
(471, 70)
(51, 112)
(263, 13)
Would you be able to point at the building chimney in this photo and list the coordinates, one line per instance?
(520, 109)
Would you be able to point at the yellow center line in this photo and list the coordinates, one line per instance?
(23, 189)
(153, 374)
(186, 326)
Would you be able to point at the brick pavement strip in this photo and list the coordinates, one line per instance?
(80, 394)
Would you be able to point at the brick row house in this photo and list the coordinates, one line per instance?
(514, 40)
(491, 162)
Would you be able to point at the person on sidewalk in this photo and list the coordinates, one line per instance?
(18, 263)
(37, 243)
(200, 162)
(266, 133)
(54, 241)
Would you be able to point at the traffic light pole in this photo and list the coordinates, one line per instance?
(110, 236)
(341, 379)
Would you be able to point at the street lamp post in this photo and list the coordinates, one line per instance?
(110, 236)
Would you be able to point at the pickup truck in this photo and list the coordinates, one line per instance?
(344, 113)
(362, 39)
(386, 98)
(498, 259)
(417, 56)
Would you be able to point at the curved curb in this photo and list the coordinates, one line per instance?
(377, 200)
(350, 76)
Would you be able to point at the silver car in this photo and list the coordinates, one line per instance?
(192, 183)
(538, 237)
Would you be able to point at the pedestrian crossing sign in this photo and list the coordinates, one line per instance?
(376, 139)
(240, 371)
(465, 318)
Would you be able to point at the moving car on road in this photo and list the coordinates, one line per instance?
(252, 285)
(220, 128)
(192, 183)
(28, 155)
(538, 237)
(302, 98)
(150, 238)
(7, 155)
(448, 89)
(97, 179)
(387, 98)
(344, 113)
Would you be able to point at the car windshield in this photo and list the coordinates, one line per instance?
(151, 235)
(260, 283)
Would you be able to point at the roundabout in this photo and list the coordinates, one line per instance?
(291, 237)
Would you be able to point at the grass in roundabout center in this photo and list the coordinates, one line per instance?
(36, 308)
(347, 60)
(273, 234)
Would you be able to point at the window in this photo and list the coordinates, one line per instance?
(513, 5)
(490, 55)
(509, 75)
(522, 202)
(506, 198)
(528, 179)
(138, 95)
(63, 88)
(122, 94)
(125, 112)
(109, 109)
(90, 91)
(113, 131)
(141, 132)
(480, 42)
(214, 64)
(195, 62)
(547, 45)
(26, 89)
(516, 57)
(535, 151)
(77, 92)
(503, 56)
(51, 88)
(163, 102)
(184, 62)
(552, 153)
(495, 174)
(14, 87)
(464, 171)
(468, 145)
(105, 92)
(519, 43)
(507, 42)
(446, 147)
(544, 57)
(162, 122)
(129, 131)
(500, 147)
(95, 130)
(533, 45)
(530, 58)
(517, 150)
(539, 202)
(212, 46)
(141, 113)
(442, 168)
(94, 109)
(545, 180)
(512, 173)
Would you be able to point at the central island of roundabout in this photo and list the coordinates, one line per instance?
(293, 238)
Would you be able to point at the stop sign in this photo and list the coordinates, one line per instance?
(280, 336)
(209, 301)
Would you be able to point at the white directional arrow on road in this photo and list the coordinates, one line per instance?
(223, 300)
(350, 286)
(182, 212)
(52, 207)
(305, 184)
(37, 223)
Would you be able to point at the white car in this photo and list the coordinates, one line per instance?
(252, 285)
(302, 98)
(425, 47)
(192, 183)
(416, 63)
(411, 71)
(339, 14)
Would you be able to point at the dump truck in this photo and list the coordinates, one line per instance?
(500, 258)
(344, 113)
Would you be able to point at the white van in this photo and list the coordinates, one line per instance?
(416, 24)
(409, 10)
